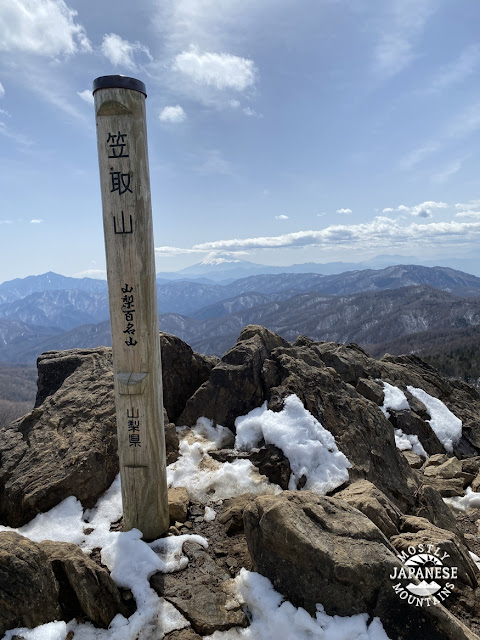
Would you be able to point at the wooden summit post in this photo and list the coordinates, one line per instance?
(128, 227)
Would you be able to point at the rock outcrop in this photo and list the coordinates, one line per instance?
(41, 582)
(338, 550)
(28, 589)
(316, 549)
(68, 444)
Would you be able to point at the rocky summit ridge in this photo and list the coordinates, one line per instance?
(336, 550)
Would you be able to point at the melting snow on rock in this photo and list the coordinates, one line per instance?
(309, 447)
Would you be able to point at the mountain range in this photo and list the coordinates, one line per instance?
(375, 308)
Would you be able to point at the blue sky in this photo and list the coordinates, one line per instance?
(281, 131)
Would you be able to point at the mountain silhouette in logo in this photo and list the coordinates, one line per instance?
(423, 588)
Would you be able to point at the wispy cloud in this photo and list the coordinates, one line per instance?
(399, 32)
(14, 135)
(450, 170)
(344, 211)
(463, 124)
(2, 90)
(44, 27)
(281, 217)
(472, 215)
(457, 71)
(213, 162)
(36, 221)
(173, 114)
(473, 204)
(86, 95)
(122, 53)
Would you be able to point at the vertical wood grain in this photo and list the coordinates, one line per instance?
(128, 229)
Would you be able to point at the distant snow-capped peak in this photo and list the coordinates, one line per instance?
(214, 258)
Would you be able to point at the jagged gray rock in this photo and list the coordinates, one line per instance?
(365, 497)
(67, 445)
(235, 385)
(202, 600)
(86, 590)
(28, 588)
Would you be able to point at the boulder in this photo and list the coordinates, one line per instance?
(232, 513)
(365, 497)
(272, 463)
(86, 590)
(371, 390)
(68, 444)
(201, 593)
(28, 589)
(183, 372)
(430, 505)
(321, 550)
(412, 424)
(414, 460)
(360, 429)
(235, 386)
(447, 477)
(419, 531)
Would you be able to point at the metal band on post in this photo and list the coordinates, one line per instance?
(128, 228)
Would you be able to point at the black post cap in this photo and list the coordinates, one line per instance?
(119, 82)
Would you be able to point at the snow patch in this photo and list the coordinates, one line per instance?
(309, 447)
(470, 500)
(130, 560)
(207, 479)
(407, 442)
(274, 618)
(394, 398)
(446, 425)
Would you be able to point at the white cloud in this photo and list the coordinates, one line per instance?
(36, 221)
(121, 52)
(41, 27)
(381, 232)
(173, 114)
(86, 95)
(219, 70)
(282, 217)
(167, 251)
(424, 210)
(6, 221)
(2, 90)
(345, 211)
